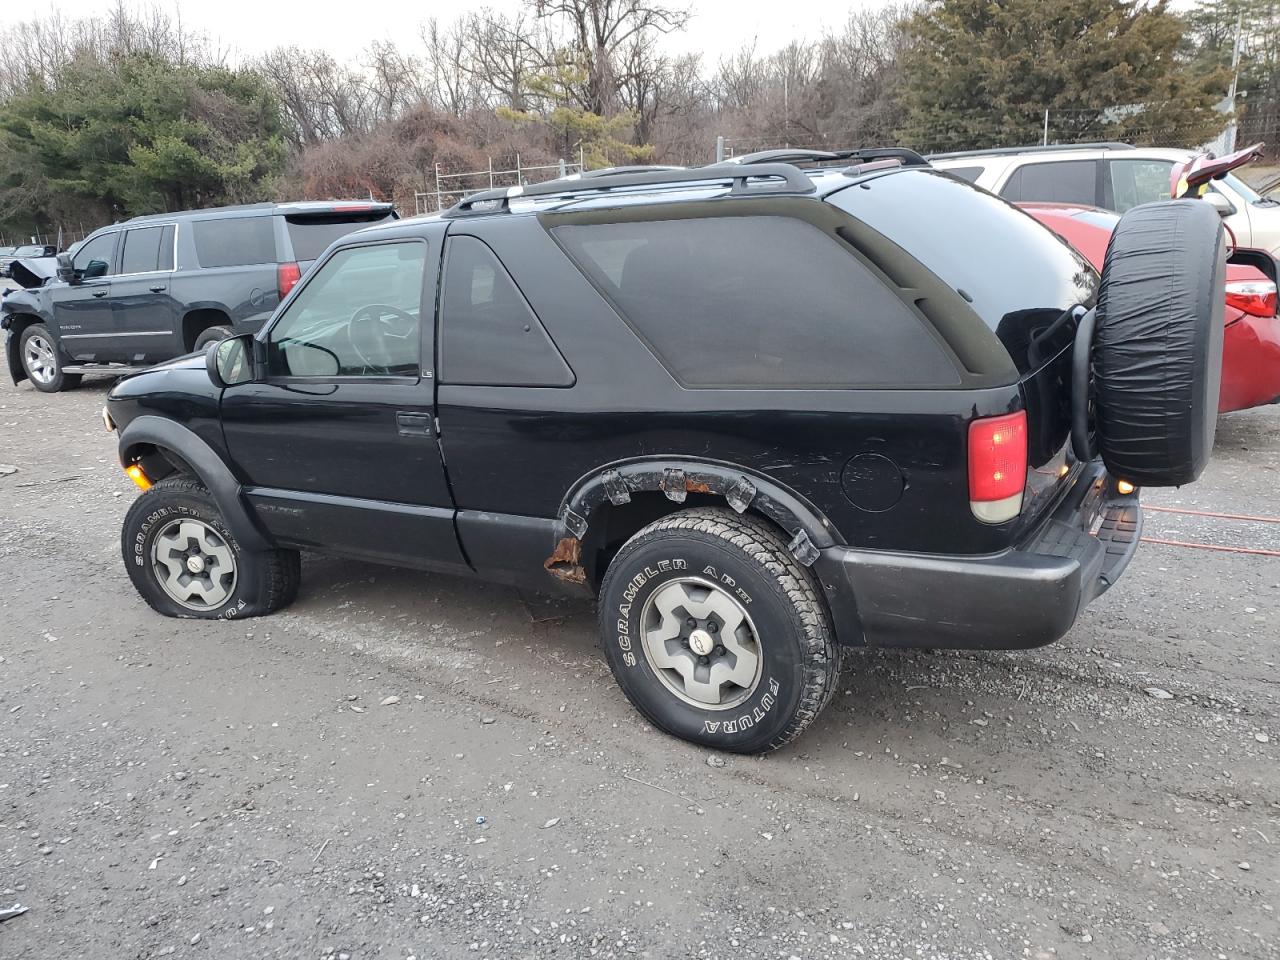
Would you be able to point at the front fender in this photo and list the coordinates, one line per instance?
(209, 468)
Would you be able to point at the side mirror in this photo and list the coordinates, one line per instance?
(66, 272)
(1220, 203)
(95, 268)
(230, 362)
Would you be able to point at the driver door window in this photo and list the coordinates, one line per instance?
(359, 316)
(95, 257)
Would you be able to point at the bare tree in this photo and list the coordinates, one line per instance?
(505, 55)
(320, 98)
(601, 30)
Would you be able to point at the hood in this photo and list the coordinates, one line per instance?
(33, 271)
(189, 361)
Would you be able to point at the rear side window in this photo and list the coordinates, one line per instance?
(757, 302)
(1066, 181)
(310, 234)
(1018, 276)
(234, 241)
(968, 174)
(489, 335)
(141, 250)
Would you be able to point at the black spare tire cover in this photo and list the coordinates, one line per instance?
(1157, 350)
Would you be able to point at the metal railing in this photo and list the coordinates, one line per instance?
(453, 187)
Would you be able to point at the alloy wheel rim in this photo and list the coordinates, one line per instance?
(39, 359)
(701, 644)
(193, 564)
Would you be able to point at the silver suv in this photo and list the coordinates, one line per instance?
(1115, 176)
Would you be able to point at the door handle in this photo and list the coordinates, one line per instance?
(159, 289)
(413, 424)
(100, 293)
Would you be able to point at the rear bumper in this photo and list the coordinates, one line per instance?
(1020, 598)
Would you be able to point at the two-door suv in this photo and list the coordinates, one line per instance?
(763, 411)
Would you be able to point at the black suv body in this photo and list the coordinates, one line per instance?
(156, 287)
(763, 413)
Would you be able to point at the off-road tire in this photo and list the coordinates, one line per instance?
(265, 581)
(60, 380)
(1157, 347)
(211, 335)
(746, 557)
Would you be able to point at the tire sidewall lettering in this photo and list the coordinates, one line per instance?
(138, 547)
(776, 694)
(628, 633)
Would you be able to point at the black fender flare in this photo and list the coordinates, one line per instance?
(811, 533)
(12, 360)
(14, 324)
(209, 467)
(676, 478)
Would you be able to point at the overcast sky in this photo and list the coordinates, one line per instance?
(250, 27)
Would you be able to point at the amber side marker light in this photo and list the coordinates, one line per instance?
(1124, 487)
(137, 476)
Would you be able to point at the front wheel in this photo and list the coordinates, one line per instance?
(41, 362)
(185, 563)
(716, 633)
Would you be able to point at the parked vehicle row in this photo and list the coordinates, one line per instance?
(763, 411)
(9, 254)
(1114, 176)
(1251, 342)
(152, 288)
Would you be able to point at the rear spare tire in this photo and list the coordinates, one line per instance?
(1157, 349)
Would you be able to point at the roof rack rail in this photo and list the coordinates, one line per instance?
(1034, 148)
(787, 179)
(908, 158)
(633, 168)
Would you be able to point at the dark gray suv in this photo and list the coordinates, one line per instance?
(153, 288)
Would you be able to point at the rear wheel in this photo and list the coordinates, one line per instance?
(41, 362)
(185, 563)
(716, 634)
(212, 335)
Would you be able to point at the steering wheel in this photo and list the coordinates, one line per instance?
(370, 329)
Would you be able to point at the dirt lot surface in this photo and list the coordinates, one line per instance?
(187, 789)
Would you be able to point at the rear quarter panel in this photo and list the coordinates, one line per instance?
(518, 451)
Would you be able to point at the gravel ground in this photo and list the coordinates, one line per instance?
(175, 788)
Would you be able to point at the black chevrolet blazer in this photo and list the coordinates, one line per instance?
(762, 411)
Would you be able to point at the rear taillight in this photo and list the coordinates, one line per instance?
(1254, 297)
(287, 276)
(997, 466)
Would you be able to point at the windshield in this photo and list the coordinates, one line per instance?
(1245, 192)
(32, 251)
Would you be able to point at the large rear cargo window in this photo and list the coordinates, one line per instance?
(1016, 273)
(758, 301)
(310, 234)
(234, 241)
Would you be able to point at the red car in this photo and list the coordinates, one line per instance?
(1251, 341)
